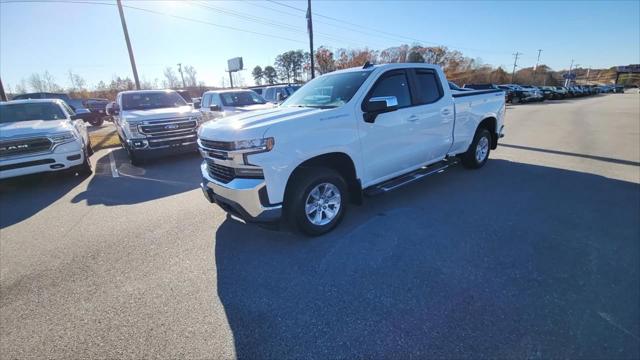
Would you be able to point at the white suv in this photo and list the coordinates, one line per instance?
(41, 136)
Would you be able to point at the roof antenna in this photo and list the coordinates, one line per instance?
(367, 65)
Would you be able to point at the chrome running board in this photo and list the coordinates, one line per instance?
(411, 177)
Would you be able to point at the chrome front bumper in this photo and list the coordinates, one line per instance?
(240, 197)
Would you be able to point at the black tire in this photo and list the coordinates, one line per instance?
(84, 169)
(89, 148)
(469, 158)
(96, 121)
(515, 100)
(304, 182)
(135, 159)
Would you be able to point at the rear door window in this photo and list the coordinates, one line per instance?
(428, 89)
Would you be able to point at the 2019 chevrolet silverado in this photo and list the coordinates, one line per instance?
(358, 131)
(154, 122)
(221, 103)
(41, 136)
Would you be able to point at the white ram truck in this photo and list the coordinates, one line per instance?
(358, 131)
(42, 135)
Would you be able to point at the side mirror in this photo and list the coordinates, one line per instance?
(215, 108)
(112, 109)
(280, 97)
(379, 105)
(197, 105)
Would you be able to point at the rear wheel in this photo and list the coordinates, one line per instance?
(316, 201)
(478, 152)
(96, 121)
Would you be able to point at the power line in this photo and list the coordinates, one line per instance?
(378, 31)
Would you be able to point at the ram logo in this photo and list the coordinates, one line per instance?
(14, 147)
(171, 126)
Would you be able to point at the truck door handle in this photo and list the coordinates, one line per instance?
(445, 112)
(412, 118)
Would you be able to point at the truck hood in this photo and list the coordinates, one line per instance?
(253, 124)
(158, 114)
(33, 128)
(233, 110)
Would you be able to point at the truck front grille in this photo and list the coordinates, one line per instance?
(217, 145)
(24, 146)
(221, 173)
(166, 127)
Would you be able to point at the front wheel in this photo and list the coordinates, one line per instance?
(478, 152)
(96, 121)
(316, 201)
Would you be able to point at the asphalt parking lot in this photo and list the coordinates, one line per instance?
(537, 255)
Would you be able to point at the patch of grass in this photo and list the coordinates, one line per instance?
(102, 140)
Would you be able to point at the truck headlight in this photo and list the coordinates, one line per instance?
(255, 145)
(62, 138)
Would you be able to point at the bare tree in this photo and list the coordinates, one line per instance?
(44, 82)
(76, 81)
(21, 87)
(171, 79)
(190, 73)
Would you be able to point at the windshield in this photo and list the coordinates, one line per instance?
(328, 91)
(30, 111)
(151, 100)
(241, 98)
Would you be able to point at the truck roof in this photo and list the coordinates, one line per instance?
(389, 67)
(146, 91)
(29, 101)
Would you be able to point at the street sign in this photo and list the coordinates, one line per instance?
(235, 64)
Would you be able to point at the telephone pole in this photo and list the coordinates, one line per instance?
(310, 30)
(515, 64)
(568, 79)
(3, 96)
(535, 70)
(181, 75)
(126, 38)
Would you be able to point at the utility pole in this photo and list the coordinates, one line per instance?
(535, 70)
(588, 71)
(515, 64)
(566, 82)
(310, 30)
(126, 38)
(3, 96)
(181, 75)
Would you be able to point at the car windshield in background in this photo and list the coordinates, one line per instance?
(151, 100)
(328, 91)
(30, 111)
(241, 98)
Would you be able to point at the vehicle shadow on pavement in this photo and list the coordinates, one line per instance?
(154, 179)
(511, 261)
(41, 190)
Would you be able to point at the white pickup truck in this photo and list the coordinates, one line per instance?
(42, 135)
(344, 134)
(154, 122)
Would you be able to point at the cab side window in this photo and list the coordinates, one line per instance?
(206, 100)
(428, 87)
(269, 94)
(394, 83)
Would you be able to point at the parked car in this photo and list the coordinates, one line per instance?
(518, 94)
(455, 87)
(563, 91)
(220, 103)
(508, 94)
(42, 135)
(98, 108)
(78, 105)
(154, 122)
(347, 133)
(549, 92)
(537, 94)
(277, 93)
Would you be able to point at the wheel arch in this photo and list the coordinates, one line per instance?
(339, 161)
(490, 123)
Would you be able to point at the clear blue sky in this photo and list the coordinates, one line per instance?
(88, 39)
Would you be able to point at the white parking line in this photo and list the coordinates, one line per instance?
(112, 162)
